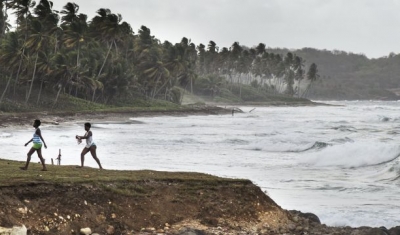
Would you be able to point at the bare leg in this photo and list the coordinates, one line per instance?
(84, 152)
(39, 152)
(94, 155)
(28, 159)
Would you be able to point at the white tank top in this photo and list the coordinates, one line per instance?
(89, 140)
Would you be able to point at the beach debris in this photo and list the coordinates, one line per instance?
(16, 230)
(86, 231)
(23, 210)
(110, 229)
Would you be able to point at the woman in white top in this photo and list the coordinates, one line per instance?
(90, 145)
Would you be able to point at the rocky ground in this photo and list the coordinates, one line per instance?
(157, 207)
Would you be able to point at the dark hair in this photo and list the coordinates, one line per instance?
(88, 124)
(37, 122)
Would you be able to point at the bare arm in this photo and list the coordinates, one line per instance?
(29, 142)
(89, 133)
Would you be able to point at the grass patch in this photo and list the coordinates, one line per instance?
(10, 174)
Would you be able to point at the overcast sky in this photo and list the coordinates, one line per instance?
(371, 27)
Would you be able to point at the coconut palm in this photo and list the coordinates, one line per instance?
(22, 11)
(70, 13)
(35, 44)
(312, 76)
(260, 49)
(4, 25)
(108, 28)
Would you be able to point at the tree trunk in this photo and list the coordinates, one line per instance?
(298, 88)
(33, 78)
(153, 93)
(94, 94)
(5, 89)
(162, 86)
(58, 94)
(105, 59)
(191, 84)
(40, 92)
(19, 69)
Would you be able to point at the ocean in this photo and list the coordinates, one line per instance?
(339, 162)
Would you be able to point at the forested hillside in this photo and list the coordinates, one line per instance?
(351, 76)
(61, 53)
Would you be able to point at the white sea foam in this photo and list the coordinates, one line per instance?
(355, 154)
(5, 135)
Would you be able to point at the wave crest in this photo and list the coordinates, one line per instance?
(349, 155)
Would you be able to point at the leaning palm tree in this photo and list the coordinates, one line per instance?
(108, 28)
(4, 24)
(312, 76)
(76, 36)
(70, 13)
(10, 55)
(22, 11)
(35, 44)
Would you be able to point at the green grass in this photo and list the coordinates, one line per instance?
(10, 174)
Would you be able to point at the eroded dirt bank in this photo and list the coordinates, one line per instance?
(156, 207)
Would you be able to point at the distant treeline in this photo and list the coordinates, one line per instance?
(351, 76)
(102, 59)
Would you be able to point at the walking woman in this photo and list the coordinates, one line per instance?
(36, 147)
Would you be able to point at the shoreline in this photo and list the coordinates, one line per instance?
(23, 119)
(10, 120)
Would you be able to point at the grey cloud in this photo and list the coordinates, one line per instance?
(360, 26)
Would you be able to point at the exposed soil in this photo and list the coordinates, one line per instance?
(166, 207)
(156, 207)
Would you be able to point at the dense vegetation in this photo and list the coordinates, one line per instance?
(63, 54)
(351, 76)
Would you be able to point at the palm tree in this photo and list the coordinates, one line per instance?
(42, 28)
(312, 76)
(22, 10)
(4, 25)
(10, 55)
(70, 13)
(60, 72)
(109, 29)
(35, 43)
(202, 68)
(76, 34)
(260, 49)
